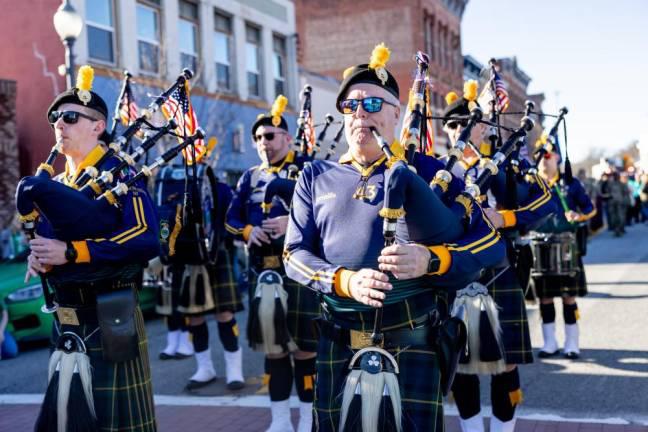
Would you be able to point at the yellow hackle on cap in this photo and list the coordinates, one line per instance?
(379, 56)
(84, 84)
(451, 98)
(85, 76)
(470, 90)
(278, 108)
(211, 145)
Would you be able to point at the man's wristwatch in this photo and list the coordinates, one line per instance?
(434, 263)
(70, 253)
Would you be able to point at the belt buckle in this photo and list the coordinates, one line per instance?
(360, 340)
(271, 262)
(67, 316)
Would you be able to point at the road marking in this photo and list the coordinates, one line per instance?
(255, 401)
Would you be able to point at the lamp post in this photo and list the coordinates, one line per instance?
(68, 24)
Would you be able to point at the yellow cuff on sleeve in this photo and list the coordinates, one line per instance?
(509, 218)
(246, 232)
(83, 254)
(444, 256)
(341, 284)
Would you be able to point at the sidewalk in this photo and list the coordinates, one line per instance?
(249, 419)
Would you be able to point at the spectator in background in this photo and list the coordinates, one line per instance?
(604, 194)
(8, 346)
(643, 197)
(634, 210)
(618, 204)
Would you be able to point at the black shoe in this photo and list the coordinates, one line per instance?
(235, 385)
(195, 385)
(572, 355)
(180, 356)
(545, 354)
(165, 356)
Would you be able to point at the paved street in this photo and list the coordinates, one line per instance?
(606, 390)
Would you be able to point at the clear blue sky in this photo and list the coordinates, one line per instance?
(594, 54)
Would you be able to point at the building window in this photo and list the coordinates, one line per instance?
(253, 60)
(148, 37)
(223, 40)
(279, 64)
(101, 30)
(428, 28)
(188, 35)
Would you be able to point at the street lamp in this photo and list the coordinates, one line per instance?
(68, 24)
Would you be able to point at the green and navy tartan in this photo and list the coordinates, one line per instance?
(303, 308)
(509, 297)
(560, 286)
(224, 287)
(123, 394)
(419, 380)
(419, 376)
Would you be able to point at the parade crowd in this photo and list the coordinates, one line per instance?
(379, 281)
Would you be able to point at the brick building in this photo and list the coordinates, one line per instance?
(242, 52)
(336, 34)
(8, 151)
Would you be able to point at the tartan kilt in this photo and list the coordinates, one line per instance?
(509, 297)
(226, 296)
(562, 286)
(224, 287)
(123, 394)
(419, 382)
(303, 308)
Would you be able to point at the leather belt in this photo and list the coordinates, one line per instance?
(422, 335)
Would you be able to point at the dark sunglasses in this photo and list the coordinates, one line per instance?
(452, 125)
(369, 104)
(69, 117)
(269, 136)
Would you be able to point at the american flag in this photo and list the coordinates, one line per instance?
(501, 94)
(309, 131)
(178, 107)
(127, 107)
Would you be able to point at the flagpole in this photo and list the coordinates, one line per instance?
(116, 115)
(495, 136)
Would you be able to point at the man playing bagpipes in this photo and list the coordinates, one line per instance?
(99, 375)
(281, 310)
(387, 378)
(562, 274)
(200, 280)
(494, 353)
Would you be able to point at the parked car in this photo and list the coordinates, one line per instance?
(24, 301)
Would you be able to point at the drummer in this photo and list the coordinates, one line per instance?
(574, 208)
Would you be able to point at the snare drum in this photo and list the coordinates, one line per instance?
(554, 254)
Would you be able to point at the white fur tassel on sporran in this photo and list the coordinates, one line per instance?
(69, 380)
(196, 294)
(272, 300)
(371, 381)
(476, 301)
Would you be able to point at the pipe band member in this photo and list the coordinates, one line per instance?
(281, 311)
(195, 286)
(101, 352)
(335, 246)
(574, 207)
(533, 204)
